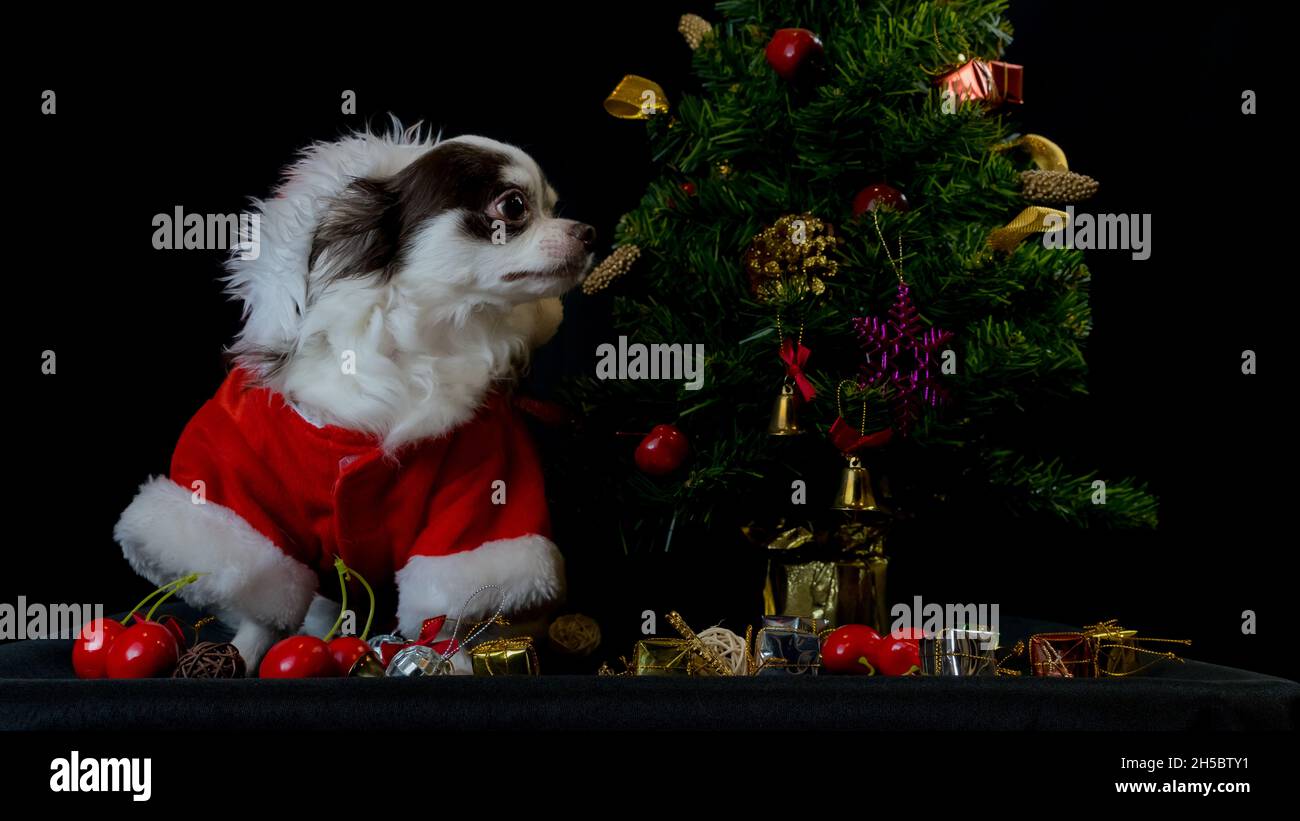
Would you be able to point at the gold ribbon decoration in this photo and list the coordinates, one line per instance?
(636, 98)
(1046, 154)
(716, 665)
(1036, 219)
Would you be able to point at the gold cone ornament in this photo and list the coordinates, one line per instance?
(1057, 186)
(785, 418)
(618, 263)
(694, 28)
(856, 492)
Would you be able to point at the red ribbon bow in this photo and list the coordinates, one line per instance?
(849, 439)
(794, 363)
(428, 638)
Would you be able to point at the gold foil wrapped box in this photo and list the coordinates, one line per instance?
(666, 657)
(504, 657)
(841, 581)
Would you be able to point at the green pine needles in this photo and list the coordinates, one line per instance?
(756, 147)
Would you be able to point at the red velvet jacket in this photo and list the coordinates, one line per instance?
(320, 492)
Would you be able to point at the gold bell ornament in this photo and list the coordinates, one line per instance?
(785, 417)
(796, 388)
(856, 491)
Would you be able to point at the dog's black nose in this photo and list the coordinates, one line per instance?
(583, 233)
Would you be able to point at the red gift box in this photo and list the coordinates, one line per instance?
(992, 82)
(1009, 79)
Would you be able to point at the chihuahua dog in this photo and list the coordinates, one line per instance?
(400, 284)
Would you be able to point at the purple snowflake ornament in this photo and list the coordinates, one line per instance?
(899, 356)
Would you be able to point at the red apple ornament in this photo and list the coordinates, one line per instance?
(108, 648)
(876, 196)
(147, 649)
(850, 650)
(859, 649)
(90, 650)
(299, 657)
(790, 50)
(897, 656)
(662, 451)
(348, 650)
(310, 657)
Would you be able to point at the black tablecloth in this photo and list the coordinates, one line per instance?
(37, 692)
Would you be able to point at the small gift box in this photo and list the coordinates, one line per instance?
(841, 581)
(1062, 655)
(665, 657)
(1120, 652)
(504, 657)
(1009, 80)
(967, 651)
(784, 651)
(1105, 649)
(990, 82)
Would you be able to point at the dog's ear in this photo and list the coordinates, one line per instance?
(359, 232)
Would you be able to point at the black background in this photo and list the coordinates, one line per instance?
(1144, 97)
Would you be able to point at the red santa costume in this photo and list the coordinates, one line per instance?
(261, 500)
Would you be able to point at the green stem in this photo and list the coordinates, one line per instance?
(149, 597)
(343, 607)
(174, 586)
(365, 634)
(346, 573)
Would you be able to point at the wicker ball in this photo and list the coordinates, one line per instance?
(574, 635)
(210, 659)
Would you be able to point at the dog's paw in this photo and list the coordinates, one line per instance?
(320, 617)
(252, 640)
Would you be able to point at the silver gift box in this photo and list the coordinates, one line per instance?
(960, 651)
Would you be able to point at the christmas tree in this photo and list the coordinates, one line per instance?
(839, 188)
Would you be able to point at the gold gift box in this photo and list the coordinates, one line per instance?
(667, 657)
(504, 657)
(848, 588)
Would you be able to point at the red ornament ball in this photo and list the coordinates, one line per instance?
(790, 50)
(662, 451)
(875, 196)
(688, 188)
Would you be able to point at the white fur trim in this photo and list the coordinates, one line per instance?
(165, 535)
(529, 569)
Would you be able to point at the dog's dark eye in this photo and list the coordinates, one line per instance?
(512, 206)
